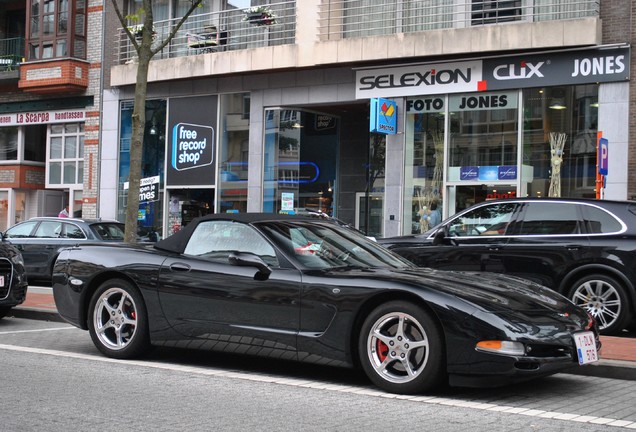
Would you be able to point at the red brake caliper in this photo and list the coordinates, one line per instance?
(382, 350)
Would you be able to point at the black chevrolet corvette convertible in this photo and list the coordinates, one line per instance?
(297, 288)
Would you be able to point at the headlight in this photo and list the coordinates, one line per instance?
(17, 259)
(501, 347)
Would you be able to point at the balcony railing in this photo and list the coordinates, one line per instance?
(355, 18)
(11, 53)
(232, 29)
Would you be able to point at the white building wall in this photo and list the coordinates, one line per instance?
(109, 156)
(613, 122)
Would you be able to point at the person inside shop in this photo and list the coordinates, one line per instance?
(64, 212)
(434, 217)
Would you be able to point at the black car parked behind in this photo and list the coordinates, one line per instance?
(40, 240)
(584, 249)
(13, 280)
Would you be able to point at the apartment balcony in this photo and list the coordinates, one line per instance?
(312, 33)
(11, 53)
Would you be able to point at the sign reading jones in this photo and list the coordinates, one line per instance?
(562, 68)
(192, 146)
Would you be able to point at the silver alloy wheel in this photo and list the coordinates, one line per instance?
(398, 347)
(115, 318)
(601, 299)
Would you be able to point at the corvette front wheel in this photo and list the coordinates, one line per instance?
(118, 322)
(401, 349)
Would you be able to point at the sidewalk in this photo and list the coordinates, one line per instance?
(618, 355)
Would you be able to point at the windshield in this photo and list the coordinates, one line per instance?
(327, 245)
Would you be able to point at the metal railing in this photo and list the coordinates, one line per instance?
(341, 19)
(232, 29)
(11, 53)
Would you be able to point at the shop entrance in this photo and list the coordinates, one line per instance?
(462, 197)
(187, 204)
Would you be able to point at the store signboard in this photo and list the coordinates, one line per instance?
(42, 117)
(557, 68)
(488, 173)
(418, 79)
(478, 102)
(383, 116)
(588, 66)
(191, 141)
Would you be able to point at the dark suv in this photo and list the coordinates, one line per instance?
(13, 280)
(584, 249)
(40, 239)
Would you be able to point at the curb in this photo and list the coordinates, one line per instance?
(36, 314)
(614, 369)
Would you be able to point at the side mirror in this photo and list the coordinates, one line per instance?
(440, 236)
(245, 259)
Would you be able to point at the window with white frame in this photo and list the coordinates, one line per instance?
(65, 161)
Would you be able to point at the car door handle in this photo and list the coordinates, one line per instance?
(573, 247)
(179, 267)
(494, 248)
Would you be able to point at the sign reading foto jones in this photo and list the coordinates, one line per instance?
(192, 146)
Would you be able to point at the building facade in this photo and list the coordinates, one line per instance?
(50, 114)
(266, 106)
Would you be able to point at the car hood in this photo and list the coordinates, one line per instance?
(490, 291)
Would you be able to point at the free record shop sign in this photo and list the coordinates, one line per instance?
(191, 155)
(191, 146)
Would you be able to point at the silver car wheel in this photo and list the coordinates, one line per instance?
(398, 347)
(115, 319)
(601, 299)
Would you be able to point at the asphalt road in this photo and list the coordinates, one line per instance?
(54, 379)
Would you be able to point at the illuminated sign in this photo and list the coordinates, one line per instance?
(488, 172)
(192, 146)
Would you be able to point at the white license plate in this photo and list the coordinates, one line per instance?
(586, 347)
(1, 281)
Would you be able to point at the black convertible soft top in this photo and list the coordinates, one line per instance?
(178, 241)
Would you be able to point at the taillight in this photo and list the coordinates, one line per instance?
(590, 321)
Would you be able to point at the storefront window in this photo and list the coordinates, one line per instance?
(152, 167)
(234, 151)
(300, 161)
(424, 164)
(559, 141)
(482, 152)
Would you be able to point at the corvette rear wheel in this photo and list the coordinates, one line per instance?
(118, 322)
(401, 349)
(4, 310)
(605, 298)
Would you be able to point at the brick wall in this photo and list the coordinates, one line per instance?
(617, 28)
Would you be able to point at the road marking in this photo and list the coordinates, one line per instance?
(40, 330)
(366, 391)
